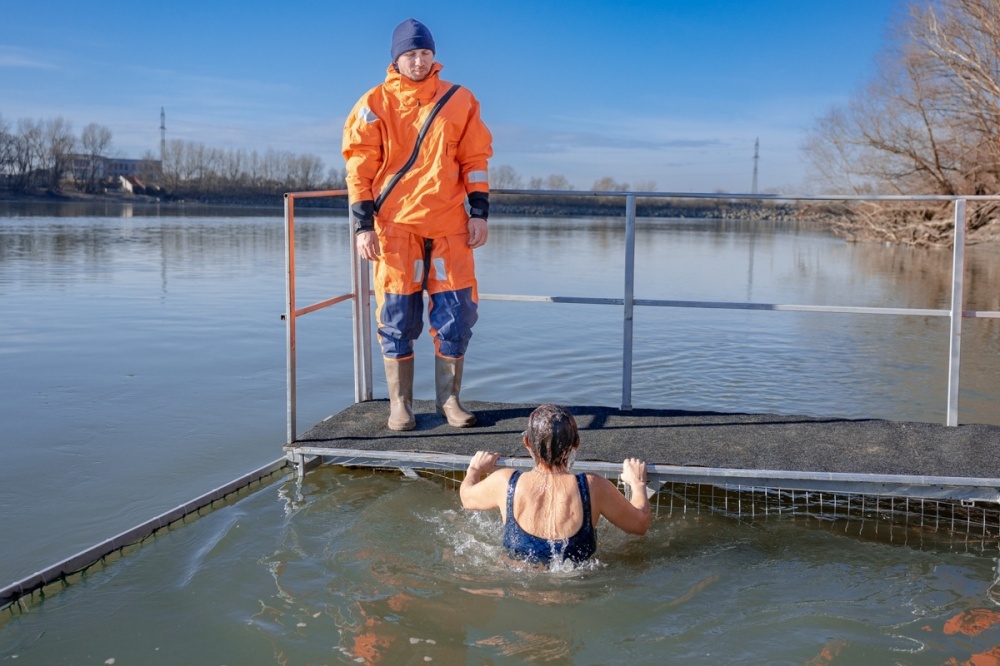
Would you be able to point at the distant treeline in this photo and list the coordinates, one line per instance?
(46, 157)
(194, 169)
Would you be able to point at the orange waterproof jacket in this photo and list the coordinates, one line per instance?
(379, 136)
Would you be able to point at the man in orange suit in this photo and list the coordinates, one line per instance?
(419, 197)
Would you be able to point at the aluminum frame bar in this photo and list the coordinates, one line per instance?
(898, 485)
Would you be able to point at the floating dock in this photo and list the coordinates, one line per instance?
(866, 456)
(851, 457)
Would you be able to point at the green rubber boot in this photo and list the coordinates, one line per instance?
(448, 381)
(399, 375)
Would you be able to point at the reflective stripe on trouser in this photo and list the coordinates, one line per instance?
(402, 273)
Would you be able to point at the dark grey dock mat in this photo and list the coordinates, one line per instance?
(684, 438)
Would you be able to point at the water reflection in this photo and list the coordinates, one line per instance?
(49, 252)
(123, 209)
(916, 278)
(149, 341)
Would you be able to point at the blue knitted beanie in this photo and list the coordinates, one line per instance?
(409, 35)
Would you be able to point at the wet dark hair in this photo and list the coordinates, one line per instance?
(552, 434)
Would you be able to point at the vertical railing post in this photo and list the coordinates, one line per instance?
(957, 300)
(291, 435)
(628, 301)
(361, 311)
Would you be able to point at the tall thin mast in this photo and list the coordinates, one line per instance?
(163, 136)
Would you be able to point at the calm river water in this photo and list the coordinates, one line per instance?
(142, 364)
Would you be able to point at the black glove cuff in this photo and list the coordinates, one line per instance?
(363, 214)
(479, 205)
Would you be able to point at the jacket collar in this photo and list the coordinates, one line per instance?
(410, 90)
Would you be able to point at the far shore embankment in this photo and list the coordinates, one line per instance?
(584, 204)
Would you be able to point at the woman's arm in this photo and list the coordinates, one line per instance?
(629, 515)
(479, 494)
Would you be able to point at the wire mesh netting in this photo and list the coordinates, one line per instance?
(863, 513)
(908, 520)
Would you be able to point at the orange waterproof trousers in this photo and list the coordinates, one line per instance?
(409, 265)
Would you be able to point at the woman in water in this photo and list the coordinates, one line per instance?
(549, 513)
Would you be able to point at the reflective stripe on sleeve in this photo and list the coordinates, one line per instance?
(478, 177)
(367, 115)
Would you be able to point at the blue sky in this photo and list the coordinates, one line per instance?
(674, 92)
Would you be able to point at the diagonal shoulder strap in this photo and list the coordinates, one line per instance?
(416, 149)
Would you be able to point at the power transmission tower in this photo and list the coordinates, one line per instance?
(163, 137)
(756, 158)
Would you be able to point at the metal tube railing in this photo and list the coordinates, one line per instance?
(362, 331)
(290, 317)
(86, 558)
(955, 331)
(362, 311)
(883, 485)
(628, 310)
(361, 284)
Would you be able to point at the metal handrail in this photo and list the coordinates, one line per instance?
(361, 307)
(658, 474)
(360, 284)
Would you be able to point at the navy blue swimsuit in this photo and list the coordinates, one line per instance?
(523, 546)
